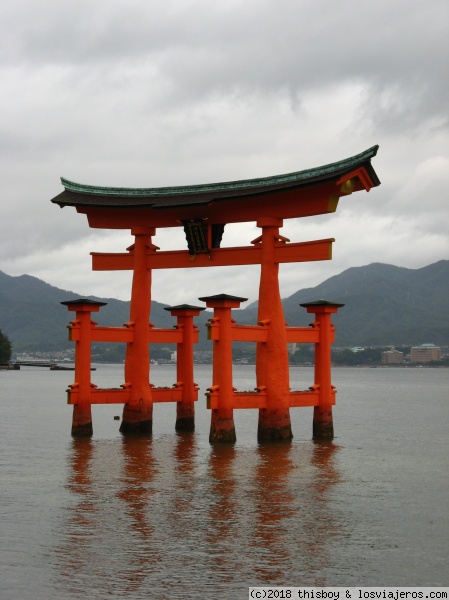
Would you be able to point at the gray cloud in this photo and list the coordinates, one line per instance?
(148, 93)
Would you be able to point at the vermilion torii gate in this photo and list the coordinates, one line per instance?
(203, 211)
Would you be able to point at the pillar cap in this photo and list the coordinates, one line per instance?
(321, 307)
(93, 305)
(184, 307)
(321, 303)
(83, 301)
(222, 297)
(222, 301)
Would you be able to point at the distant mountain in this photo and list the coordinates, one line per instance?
(33, 318)
(384, 305)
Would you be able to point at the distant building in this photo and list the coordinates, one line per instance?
(392, 357)
(425, 353)
(356, 349)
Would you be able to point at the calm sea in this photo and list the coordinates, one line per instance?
(173, 517)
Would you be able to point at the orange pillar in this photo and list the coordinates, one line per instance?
(222, 428)
(272, 368)
(323, 426)
(185, 410)
(82, 413)
(138, 413)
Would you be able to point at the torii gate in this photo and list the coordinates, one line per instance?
(203, 211)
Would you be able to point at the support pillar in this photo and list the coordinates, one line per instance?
(82, 413)
(323, 426)
(185, 410)
(138, 413)
(222, 428)
(272, 369)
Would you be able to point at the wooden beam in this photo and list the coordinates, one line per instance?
(126, 334)
(123, 395)
(106, 334)
(217, 257)
(307, 398)
(303, 335)
(102, 261)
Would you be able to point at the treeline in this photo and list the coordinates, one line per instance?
(115, 353)
(305, 355)
(369, 356)
(247, 353)
(5, 348)
(373, 357)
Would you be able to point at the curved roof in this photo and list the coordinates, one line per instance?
(79, 195)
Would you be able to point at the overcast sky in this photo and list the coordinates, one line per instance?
(144, 93)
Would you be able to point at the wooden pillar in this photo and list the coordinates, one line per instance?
(272, 369)
(82, 413)
(222, 428)
(138, 413)
(185, 410)
(323, 426)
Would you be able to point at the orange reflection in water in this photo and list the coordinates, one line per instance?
(294, 518)
(146, 512)
(136, 493)
(106, 535)
(271, 511)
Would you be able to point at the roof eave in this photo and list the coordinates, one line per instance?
(79, 195)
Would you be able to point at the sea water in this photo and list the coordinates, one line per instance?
(174, 517)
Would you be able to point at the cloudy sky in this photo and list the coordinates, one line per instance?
(146, 93)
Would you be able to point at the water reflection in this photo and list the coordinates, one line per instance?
(274, 506)
(135, 492)
(181, 510)
(226, 521)
(223, 505)
(185, 451)
(136, 495)
(143, 514)
(272, 513)
(106, 531)
(81, 522)
(296, 520)
(323, 529)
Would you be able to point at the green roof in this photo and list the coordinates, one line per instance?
(77, 194)
(296, 177)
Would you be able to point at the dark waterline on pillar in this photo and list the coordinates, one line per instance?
(222, 433)
(323, 431)
(274, 434)
(323, 425)
(82, 430)
(185, 424)
(143, 428)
